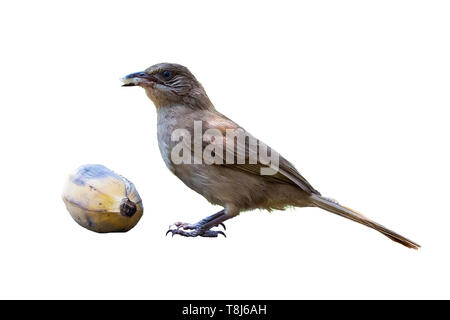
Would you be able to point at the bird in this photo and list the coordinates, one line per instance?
(184, 110)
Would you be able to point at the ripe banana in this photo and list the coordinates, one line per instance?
(101, 200)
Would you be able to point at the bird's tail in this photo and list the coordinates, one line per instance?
(348, 213)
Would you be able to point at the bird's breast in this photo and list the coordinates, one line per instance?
(164, 133)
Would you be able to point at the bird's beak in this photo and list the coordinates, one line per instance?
(138, 79)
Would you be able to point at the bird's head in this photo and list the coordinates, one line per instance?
(168, 84)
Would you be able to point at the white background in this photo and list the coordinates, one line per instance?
(354, 93)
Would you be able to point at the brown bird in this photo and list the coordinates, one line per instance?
(235, 178)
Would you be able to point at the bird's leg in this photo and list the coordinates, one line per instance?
(201, 228)
(190, 226)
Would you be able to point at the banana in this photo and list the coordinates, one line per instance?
(100, 200)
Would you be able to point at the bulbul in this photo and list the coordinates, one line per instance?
(235, 180)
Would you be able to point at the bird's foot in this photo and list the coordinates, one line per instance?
(190, 226)
(195, 230)
(196, 233)
(201, 228)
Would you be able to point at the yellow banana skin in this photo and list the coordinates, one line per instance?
(101, 200)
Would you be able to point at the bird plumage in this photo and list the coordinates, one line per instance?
(181, 102)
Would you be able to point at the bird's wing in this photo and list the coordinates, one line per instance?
(285, 172)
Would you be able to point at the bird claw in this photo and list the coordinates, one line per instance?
(196, 233)
(182, 225)
(188, 226)
(223, 226)
(201, 228)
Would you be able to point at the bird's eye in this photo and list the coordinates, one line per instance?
(166, 74)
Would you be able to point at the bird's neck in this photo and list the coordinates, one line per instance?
(196, 99)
